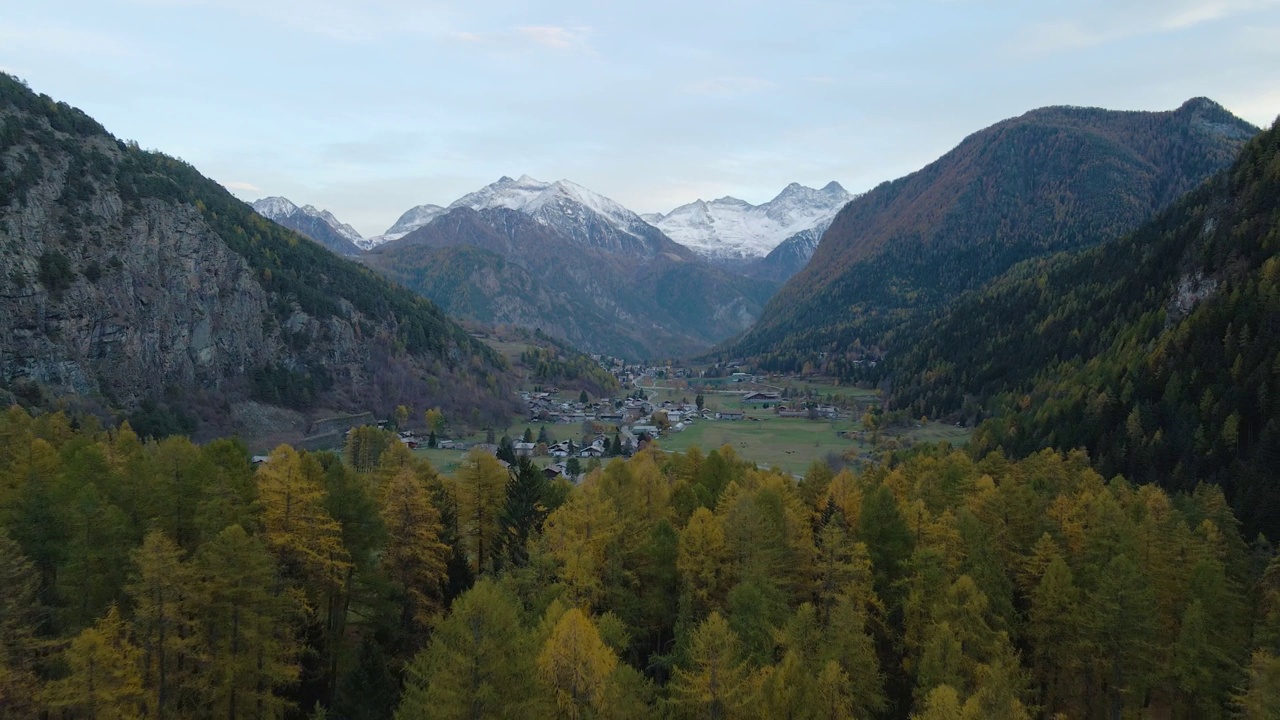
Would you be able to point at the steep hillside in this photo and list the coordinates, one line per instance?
(319, 225)
(1159, 352)
(602, 288)
(128, 278)
(1051, 180)
(790, 256)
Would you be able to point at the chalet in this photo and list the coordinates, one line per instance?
(593, 450)
(562, 449)
(730, 415)
(761, 397)
(524, 449)
(551, 472)
(651, 430)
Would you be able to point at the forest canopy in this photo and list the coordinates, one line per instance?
(165, 579)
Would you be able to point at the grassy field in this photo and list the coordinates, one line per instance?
(787, 443)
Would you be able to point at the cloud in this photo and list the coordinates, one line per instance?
(731, 86)
(555, 36)
(63, 40)
(338, 20)
(243, 186)
(1124, 20)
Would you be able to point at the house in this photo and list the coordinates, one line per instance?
(562, 449)
(651, 430)
(592, 451)
(761, 397)
(730, 415)
(447, 445)
(524, 449)
(551, 472)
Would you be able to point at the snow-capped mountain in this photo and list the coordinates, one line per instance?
(733, 229)
(319, 225)
(586, 216)
(413, 218)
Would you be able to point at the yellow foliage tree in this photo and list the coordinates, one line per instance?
(105, 681)
(414, 556)
(297, 527)
(578, 535)
(481, 492)
(702, 561)
(575, 665)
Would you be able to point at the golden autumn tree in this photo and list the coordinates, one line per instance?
(575, 666)
(165, 625)
(414, 557)
(479, 664)
(18, 617)
(105, 679)
(578, 535)
(481, 491)
(296, 525)
(702, 561)
(716, 684)
(248, 643)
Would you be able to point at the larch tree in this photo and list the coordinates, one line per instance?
(481, 491)
(105, 680)
(247, 636)
(296, 524)
(414, 557)
(19, 583)
(575, 665)
(716, 684)
(702, 561)
(478, 665)
(579, 535)
(165, 625)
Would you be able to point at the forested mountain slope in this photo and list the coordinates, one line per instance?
(1054, 179)
(128, 277)
(1158, 352)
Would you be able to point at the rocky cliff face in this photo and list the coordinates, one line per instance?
(127, 276)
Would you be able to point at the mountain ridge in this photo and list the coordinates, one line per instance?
(130, 278)
(1049, 180)
(319, 225)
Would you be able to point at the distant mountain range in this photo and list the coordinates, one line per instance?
(319, 225)
(733, 230)
(1051, 180)
(558, 257)
(728, 231)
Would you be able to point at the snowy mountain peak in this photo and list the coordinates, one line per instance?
(319, 225)
(279, 209)
(729, 228)
(274, 208)
(412, 219)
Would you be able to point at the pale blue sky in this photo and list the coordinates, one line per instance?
(367, 108)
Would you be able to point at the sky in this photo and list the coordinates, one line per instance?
(369, 108)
